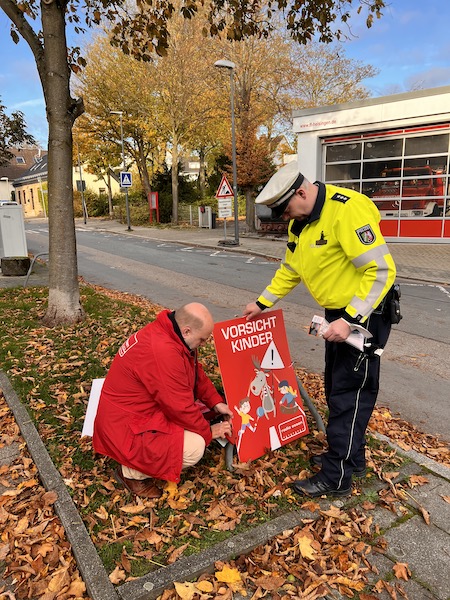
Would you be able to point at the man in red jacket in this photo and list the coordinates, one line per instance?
(148, 419)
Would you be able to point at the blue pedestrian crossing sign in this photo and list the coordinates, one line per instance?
(126, 179)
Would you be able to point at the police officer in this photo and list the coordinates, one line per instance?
(336, 248)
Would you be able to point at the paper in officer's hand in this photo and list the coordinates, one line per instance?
(319, 326)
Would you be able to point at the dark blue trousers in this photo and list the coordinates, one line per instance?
(351, 389)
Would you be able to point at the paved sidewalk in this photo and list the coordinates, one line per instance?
(425, 548)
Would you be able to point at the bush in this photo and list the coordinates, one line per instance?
(96, 205)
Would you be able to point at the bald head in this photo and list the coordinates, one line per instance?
(195, 323)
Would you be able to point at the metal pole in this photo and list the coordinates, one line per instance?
(83, 203)
(127, 207)
(42, 197)
(233, 144)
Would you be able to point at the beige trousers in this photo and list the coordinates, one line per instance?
(193, 450)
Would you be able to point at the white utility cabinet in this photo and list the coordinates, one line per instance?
(13, 241)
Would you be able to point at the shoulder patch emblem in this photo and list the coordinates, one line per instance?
(366, 235)
(340, 197)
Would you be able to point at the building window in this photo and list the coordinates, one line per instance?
(405, 171)
(20, 160)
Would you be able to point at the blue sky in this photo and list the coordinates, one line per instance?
(410, 46)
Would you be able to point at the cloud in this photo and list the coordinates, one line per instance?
(38, 102)
(433, 77)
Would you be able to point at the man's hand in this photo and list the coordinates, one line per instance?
(251, 310)
(223, 409)
(220, 430)
(338, 331)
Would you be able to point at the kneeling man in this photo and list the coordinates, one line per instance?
(148, 419)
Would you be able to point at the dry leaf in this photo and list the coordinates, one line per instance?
(117, 575)
(270, 582)
(425, 515)
(185, 590)
(172, 489)
(59, 580)
(175, 555)
(306, 550)
(133, 509)
(125, 561)
(204, 586)
(77, 588)
(351, 583)
(228, 575)
(4, 551)
(416, 480)
(102, 513)
(402, 571)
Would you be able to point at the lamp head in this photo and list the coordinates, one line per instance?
(225, 64)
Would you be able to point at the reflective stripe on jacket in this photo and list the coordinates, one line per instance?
(338, 253)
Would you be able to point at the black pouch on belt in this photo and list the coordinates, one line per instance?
(392, 305)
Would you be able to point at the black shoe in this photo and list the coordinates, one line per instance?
(315, 488)
(316, 461)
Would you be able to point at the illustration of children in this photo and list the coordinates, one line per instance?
(243, 412)
(287, 402)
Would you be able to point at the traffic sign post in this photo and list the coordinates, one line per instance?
(224, 195)
(126, 180)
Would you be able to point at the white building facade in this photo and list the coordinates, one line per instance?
(395, 149)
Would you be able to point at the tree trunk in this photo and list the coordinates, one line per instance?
(142, 168)
(175, 183)
(250, 211)
(64, 295)
(202, 173)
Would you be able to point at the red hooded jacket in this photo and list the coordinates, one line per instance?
(148, 400)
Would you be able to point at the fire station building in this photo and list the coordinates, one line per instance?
(395, 149)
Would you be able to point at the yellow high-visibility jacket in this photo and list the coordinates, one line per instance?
(338, 253)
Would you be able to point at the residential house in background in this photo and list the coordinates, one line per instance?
(24, 157)
(30, 188)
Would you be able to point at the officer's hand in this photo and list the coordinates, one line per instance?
(251, 310)
(220, 430)
(338, 331)
(223, 409)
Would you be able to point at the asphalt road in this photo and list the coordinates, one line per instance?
(416, 363)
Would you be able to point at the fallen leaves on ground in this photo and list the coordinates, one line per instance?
(329, 551)
(37, 558)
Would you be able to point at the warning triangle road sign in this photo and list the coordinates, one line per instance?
(224, 190)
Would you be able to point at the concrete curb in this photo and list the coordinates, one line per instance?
(420, 459)
(94, 575)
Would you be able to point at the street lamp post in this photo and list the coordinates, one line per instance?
(127, 207)
(227, 64)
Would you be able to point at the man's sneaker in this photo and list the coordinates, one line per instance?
(316, 461)
(314, 488)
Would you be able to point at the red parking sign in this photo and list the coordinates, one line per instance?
(259, 383)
